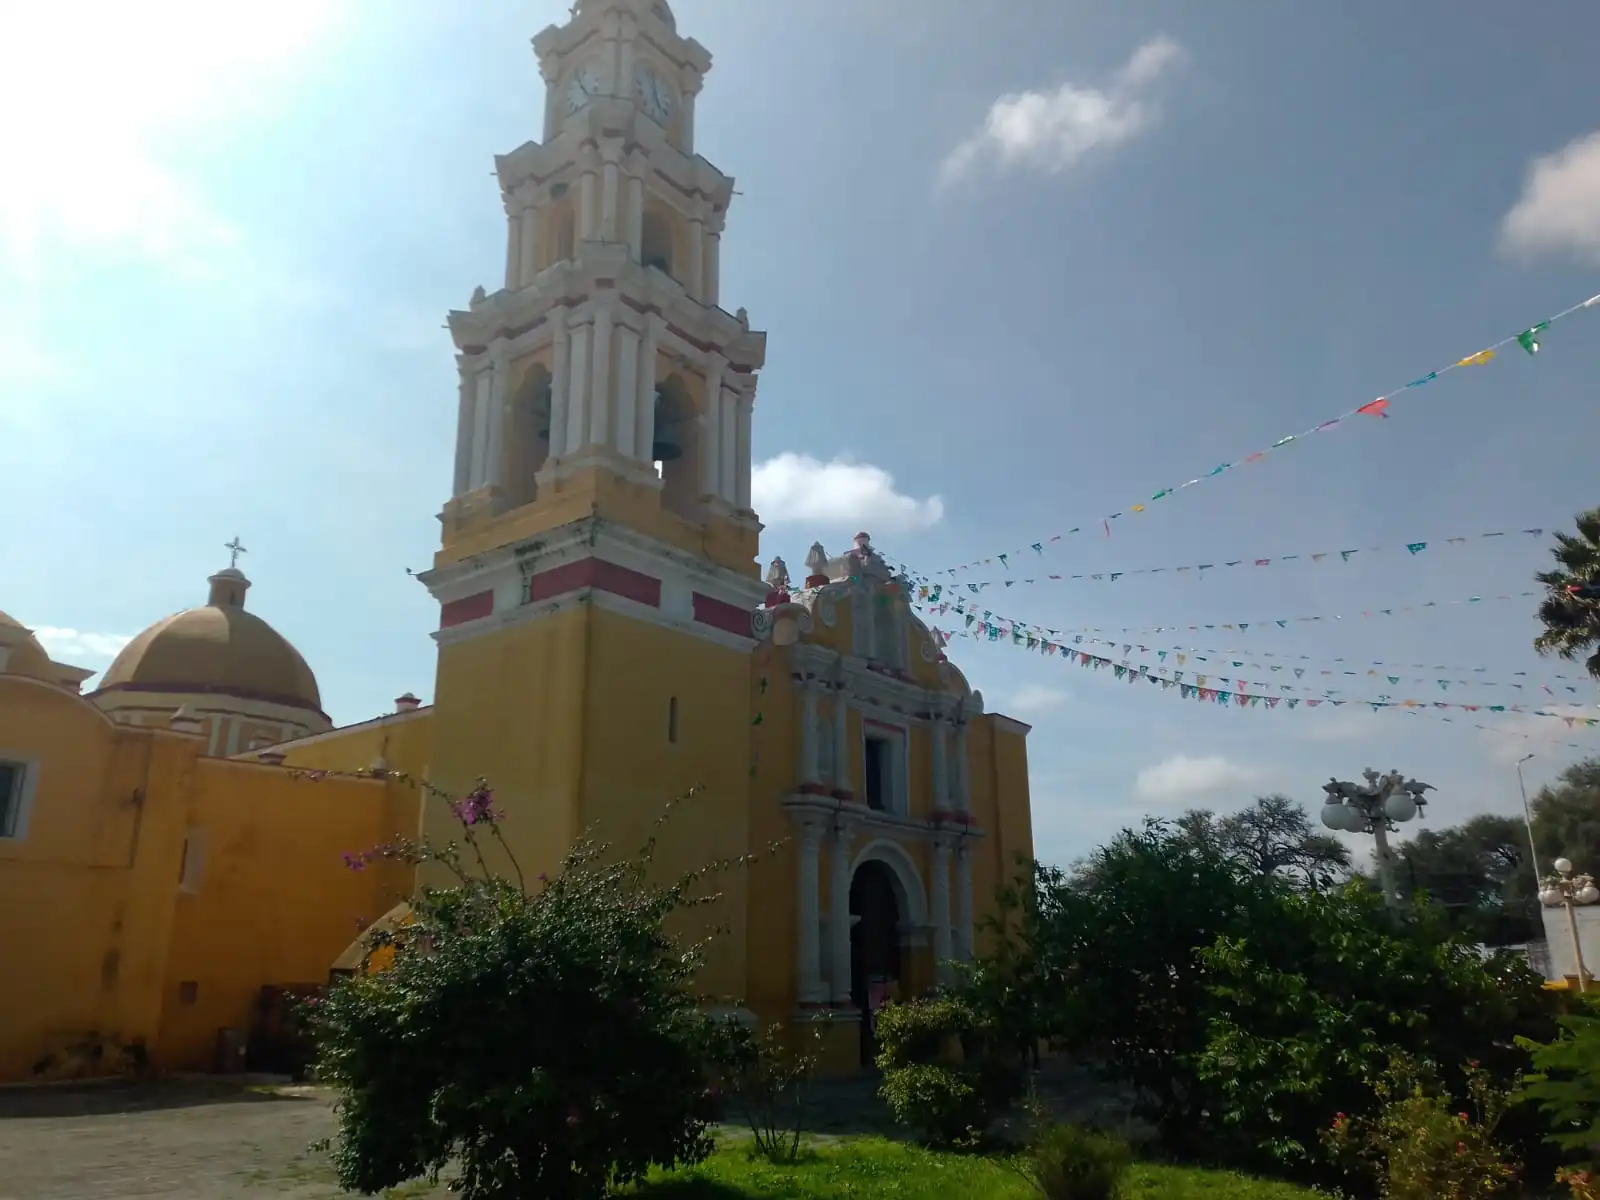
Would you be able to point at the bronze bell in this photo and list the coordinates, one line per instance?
(667, 444)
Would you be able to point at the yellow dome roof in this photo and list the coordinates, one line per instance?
(218, 648)
(26, 656)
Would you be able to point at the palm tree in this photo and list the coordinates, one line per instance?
(1570, 610)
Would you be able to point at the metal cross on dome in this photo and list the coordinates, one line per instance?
(234, 548)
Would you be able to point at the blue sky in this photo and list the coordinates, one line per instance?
(1018, 272)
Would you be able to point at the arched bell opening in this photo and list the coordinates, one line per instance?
(675, 448)
(528, 443)
(656, 241)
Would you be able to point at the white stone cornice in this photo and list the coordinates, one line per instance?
(1010, 725)
(861, 821)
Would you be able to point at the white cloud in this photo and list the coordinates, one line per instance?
(1035, 698)
(1051, 131)
(97, 91)
(1181, 778)
(77, 648)
(793, 488)
(1559, 210)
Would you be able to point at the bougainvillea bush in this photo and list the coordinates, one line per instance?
(540, 1038)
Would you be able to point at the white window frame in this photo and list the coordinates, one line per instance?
(899, 783)
(21, 801)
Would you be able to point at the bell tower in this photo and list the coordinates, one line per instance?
(604, 374)
(597, 572)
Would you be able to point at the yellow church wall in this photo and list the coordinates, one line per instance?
(87, 891)
(632, 769)
(403, 742)
(505, 709)
(1000, 804)
(266, 898)
(774, 879)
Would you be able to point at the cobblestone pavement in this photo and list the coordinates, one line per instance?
(231, 1140)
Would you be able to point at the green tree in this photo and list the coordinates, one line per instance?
(1273, 836)
(1478, 872)
(542, 1038)
(1570, 610)
(1566, 817)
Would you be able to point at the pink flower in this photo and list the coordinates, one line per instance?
(356, 862)
(475, 808)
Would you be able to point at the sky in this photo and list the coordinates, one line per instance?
(1020, 270)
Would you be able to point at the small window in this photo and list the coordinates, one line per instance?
(882, 771)
(12, 777)
(672, 721)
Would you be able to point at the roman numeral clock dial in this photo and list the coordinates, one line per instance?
(655, 95)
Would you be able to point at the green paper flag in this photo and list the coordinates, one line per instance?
(1528, 339)
(1416, 547)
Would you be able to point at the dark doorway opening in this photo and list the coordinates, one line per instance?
(874, 945)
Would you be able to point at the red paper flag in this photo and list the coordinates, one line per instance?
(1375, 408)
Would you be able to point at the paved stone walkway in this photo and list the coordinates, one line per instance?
(227, 1140)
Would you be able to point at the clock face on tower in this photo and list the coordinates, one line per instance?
(655, 95)
(582, 87)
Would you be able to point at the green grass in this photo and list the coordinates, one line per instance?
(862, 1167)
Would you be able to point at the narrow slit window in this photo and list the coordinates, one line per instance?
(672, 721)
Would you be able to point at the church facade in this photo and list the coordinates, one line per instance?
(606, 639)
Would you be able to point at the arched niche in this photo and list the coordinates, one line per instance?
(527, 435)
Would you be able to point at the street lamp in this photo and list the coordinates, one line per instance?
(1527, 819)
(1379, 807)
(1564, 889)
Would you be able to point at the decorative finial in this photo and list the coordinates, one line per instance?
(479, 295)
(817, 566)
(234, 549)
(743, 318)
(778, 575)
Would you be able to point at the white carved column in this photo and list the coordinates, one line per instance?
(841, 747)
(941, 764)
(482, 401)
(728, 443)
(529, 224)
(464, 429)
(940, 888)
(808, 967)
(626, 31)
(808, 734)
(694, 273)
(499, 396)
(627, 390)
(646, 410)
(577, 387)
(635, 218)
(600, 390)
(711, 431)
(711, 268)
(686, 118)
(839, 916)
(963, 931)
(588, 202)
(608, 201)
(741, 467)
(960, 793)
(513, 246)
(559, 385)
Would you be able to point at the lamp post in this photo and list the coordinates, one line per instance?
(1379, 807)
(1564, 889)
(1527, 819)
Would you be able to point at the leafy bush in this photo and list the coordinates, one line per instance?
(1245, 1012)
(946, 1073)
(1068, 1162)
(1416, 1148)
(770, 1079)
(544, 1039)
(1565, 1084)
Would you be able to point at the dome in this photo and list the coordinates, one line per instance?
(219, 648)
(21, 653)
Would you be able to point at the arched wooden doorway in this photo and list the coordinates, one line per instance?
(875, 951)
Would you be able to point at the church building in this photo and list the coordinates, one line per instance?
(606, 642)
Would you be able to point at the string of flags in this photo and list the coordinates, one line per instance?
(941, 599)
(1528, 340)
(1373, 669)
(1412, 550)
(1231, 690)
